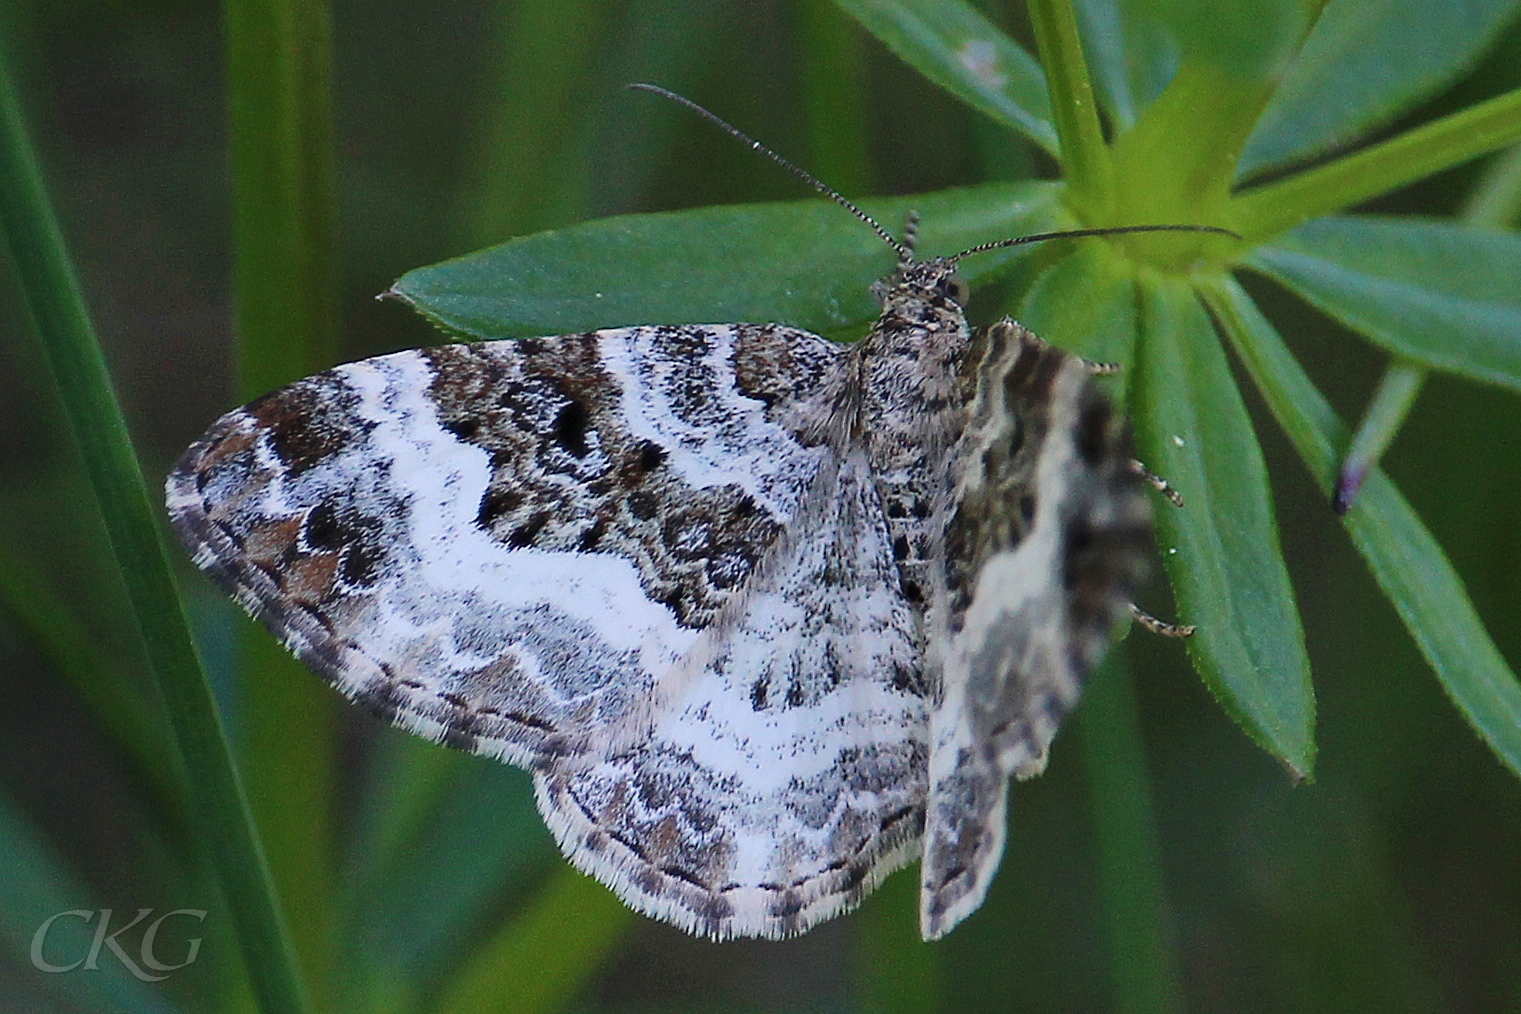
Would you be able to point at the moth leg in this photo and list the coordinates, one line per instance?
(1162, 627)
(1158, 483)
(1141, 616)
(1100, 369)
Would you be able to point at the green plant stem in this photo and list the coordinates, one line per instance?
(523, 177)
(1085, 157)
(833, 85)
(1143, 960)
(1264, 212)
(218, 808)
(1187, 169)
(279, 56)
(279, 65)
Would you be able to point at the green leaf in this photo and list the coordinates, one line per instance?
(1247, 40)
(218, 808)
(1261, 213)
(963, 52)
(1086, 305)
(38, 887)
(1445, 295)
(1405, 559)
(1364, 62)
(1391, 402)
(1133, 56)
(806, 263)
(1221, 550)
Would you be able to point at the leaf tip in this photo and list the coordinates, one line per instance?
(1348, 484)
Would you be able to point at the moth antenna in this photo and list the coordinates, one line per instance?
(904, 251)
(910, 235)
(1115, 230)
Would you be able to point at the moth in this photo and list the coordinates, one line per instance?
(766, 616)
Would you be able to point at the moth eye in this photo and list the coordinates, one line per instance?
(956, 288)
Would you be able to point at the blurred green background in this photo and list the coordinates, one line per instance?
(1390, 883)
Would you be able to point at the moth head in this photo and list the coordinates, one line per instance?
(933, 280)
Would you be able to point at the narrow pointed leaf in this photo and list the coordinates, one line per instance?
(1365, 62)
(806, 263)
(1133, 56)
(1442, 294)
(1392, 401)
(1405, 559)
(1227, 572)
(957, 48)
(1261, 213)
